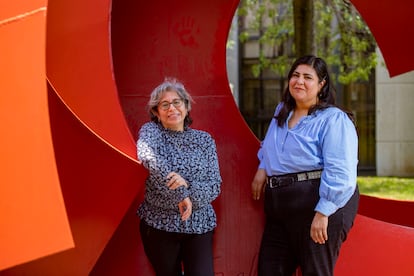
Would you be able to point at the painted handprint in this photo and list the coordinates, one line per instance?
(187, 31)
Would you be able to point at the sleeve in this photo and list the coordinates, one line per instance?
(149, 152)
(146, 144)
(260, 157)
(272, 125)
(205, 191)
(339, 143)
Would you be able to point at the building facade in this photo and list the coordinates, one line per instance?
(394, 123)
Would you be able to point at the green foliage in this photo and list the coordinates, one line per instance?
(277, 17)
(387, 187)
(341, 36)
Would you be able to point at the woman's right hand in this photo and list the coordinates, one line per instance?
(175, 180)
(258, 184)
(186, 208)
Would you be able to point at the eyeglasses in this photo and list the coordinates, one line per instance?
(166, 105)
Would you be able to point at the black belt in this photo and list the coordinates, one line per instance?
(288, 179)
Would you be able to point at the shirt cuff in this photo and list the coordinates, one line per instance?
(326, 207)
(262, 165)
(184, 192)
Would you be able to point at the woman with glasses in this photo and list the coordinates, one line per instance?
(308, 169)
(177, 218)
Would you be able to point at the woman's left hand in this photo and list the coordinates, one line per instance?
(186, 208)
(175, 180)
(319, 228)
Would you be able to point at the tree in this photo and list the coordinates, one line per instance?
(303, 23)
(332, 29)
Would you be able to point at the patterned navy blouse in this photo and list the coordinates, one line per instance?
(190, 153)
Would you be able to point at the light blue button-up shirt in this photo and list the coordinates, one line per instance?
(325, 140)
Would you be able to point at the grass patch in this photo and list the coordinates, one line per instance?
(387, 187)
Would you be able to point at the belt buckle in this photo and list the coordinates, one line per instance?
(274, 182)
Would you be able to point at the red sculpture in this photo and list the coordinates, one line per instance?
(75, 77)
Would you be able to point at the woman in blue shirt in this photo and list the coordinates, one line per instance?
(308, 169)
(177, 218)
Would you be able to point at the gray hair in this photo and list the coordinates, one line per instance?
(169, 84)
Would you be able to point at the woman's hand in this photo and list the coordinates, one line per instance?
(258, 184)
(319, 228)
(175, 180)
(186, 208)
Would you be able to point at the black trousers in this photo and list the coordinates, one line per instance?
(171, 254)
(286, 242)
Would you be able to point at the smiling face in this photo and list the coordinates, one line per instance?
(304, 86)
(171, 111)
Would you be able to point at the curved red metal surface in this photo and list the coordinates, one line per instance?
(378, 248)
(79, 68)
(388, 21)
(388, 210)
(33, 221)
(102, 60)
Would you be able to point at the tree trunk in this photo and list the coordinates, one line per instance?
(303, 21)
